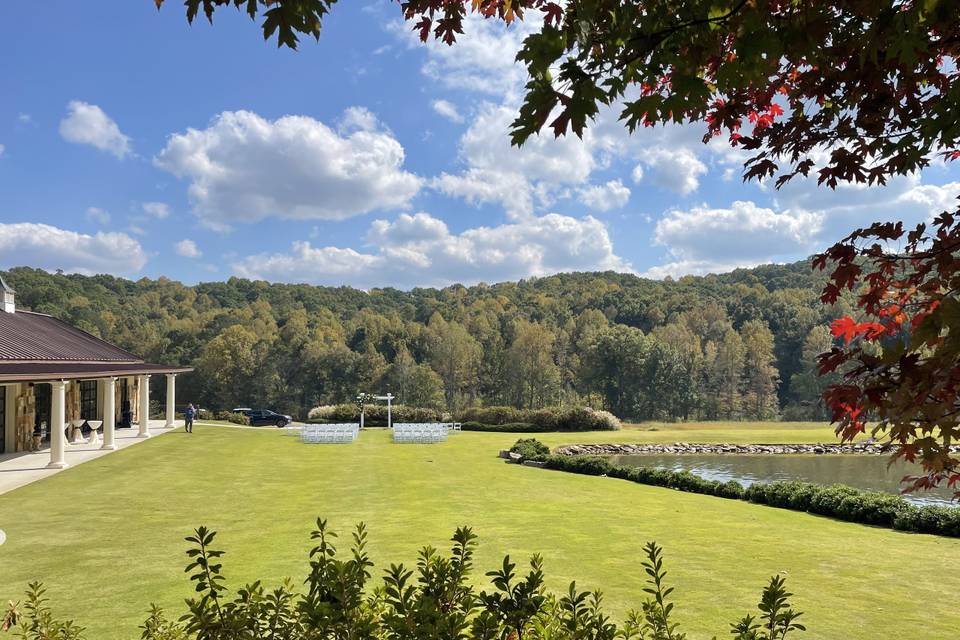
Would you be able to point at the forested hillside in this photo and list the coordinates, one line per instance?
(734, 346)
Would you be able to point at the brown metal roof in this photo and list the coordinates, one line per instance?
(39, 371)
(35, 337)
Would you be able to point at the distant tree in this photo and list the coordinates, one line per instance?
(230, 361)
(425, 388)
(760, 377)
(615, 367)
(533, 375)
(455, 356)
(807, 385)
(727, 375)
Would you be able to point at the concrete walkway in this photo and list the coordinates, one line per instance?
(19, 469)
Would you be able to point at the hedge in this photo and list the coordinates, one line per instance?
(375, 414)
(510, 427)
(235, 418)
(550, 419)
(835, 501)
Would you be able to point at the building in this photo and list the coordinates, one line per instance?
(57, 382)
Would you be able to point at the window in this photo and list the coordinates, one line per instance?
(88, 399)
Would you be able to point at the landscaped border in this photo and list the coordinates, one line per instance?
(835, 501)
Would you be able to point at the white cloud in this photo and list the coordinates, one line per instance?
(448, 110)
(158, 210)
(708, 240)
(484, 186)
(48, 247)
(97, 215)
(358, 119)
(24, 118)
(2, 148)
(420, 250)
(187, 249)
(678, 169)
(604, 197)
(520, 179)
(483, 58)
(637, 173)
(243, 168)
(87, 124)
(803, 220)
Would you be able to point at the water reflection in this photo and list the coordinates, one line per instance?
(861, 471)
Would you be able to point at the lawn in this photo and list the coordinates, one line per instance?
(107, 536)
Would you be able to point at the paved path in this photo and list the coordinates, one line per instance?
(19, 469)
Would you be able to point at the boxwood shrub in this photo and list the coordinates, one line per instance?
(530, 449)
(835, 501)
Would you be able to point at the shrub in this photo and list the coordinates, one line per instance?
(530, 449)
(548, 419)
(235, 418)
(510, 427)
(835, 501)
(374, 414)
(436, 599)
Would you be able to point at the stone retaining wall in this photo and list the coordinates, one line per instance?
(685, 447)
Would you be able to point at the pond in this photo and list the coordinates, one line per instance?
(861, 471)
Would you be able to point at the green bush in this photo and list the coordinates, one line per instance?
(530, 449)
(435, 600)
(510, 427)
(374, 414)
(548, 419)
(835, 501)
(235, 418)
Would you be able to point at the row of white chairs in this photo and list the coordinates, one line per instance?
(420, 433)
(329, 433)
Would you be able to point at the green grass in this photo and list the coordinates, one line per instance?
(107, 536)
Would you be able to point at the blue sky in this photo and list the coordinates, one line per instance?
(368, 159)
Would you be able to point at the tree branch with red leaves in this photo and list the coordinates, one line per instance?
(900, 359)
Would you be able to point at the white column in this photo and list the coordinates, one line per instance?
(109, 413)
(389, 413)
(58, 419)
(144, 407)
(171, 399)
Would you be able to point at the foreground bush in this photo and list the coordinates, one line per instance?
(835, 501)
(235, 418)
(375, 414)
(543, 420)
(435, 601)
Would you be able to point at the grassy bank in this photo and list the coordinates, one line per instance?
(107, 536)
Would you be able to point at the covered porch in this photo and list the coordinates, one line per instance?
(56, 410)
(20, 469)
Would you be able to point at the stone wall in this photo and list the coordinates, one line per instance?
(72, 408)
(25, 418)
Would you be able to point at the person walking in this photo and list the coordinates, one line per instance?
(188, 416)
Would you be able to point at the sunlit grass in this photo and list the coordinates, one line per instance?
(107, 536)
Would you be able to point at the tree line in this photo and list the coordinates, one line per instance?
(734, 346)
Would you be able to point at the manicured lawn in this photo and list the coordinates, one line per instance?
(107, 536)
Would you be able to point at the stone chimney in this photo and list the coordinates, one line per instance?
(7, 294)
